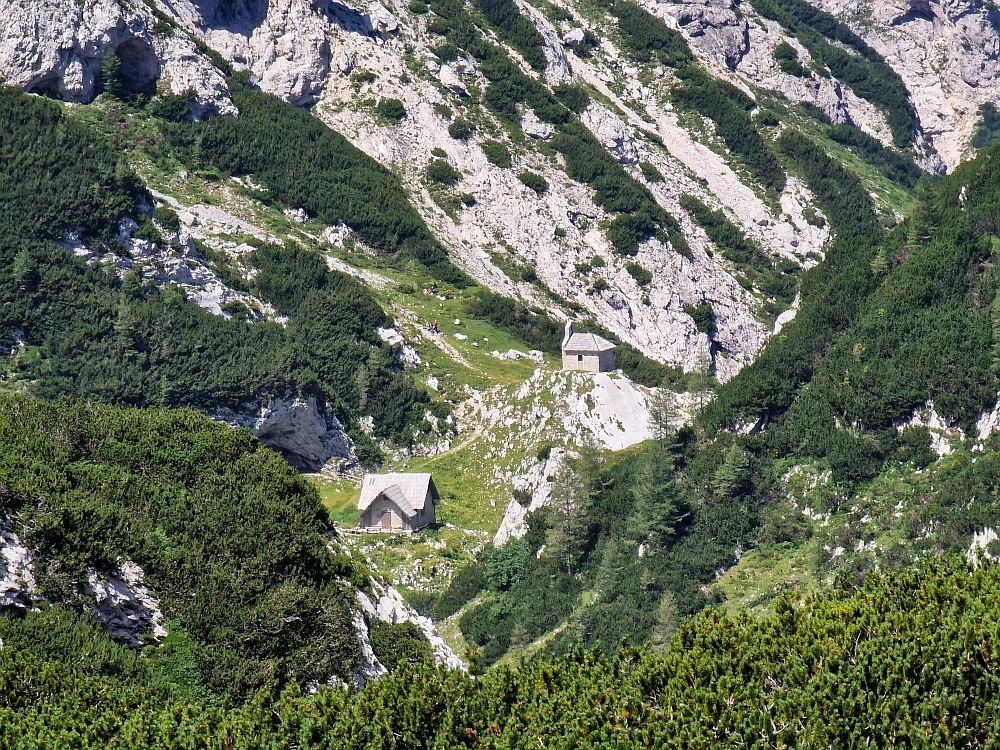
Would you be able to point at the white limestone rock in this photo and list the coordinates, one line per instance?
(387, 604)
(979, 550)
(942, 431)
(514, 355)
(371, 668)
(308, 435)
(558, 69)
(450, 80)
(127, 609)
(714, 26)
(613, 134)
(948, 55)
(574, 37)
(346, 62)
(57, 46)
(407, 354)
(535, 128)
(284, 43)
(615, 412)
(535, 483)
(381, 19)
(18, 590)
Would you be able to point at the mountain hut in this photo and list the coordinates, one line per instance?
(397, 502)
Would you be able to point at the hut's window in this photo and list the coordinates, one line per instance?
(579, 358)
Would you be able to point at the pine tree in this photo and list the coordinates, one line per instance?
(657, 510)
(667, 618)
(880, 264)
(664, 413)
(572, 495)
(25, 271)
(112, 82)
(732, 476)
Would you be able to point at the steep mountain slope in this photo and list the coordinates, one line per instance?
(349, 61)
(751, 198)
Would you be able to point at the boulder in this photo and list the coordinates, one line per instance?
(450, 80)
(535, 128)
(613, 134)
(381, 19)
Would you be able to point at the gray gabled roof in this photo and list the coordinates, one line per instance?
(407, 491)
(587, 343)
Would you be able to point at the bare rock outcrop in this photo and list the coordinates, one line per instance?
(533, 491)
(713, 25)
(284, 43)
(947, 53)
(613, 134)
(387, 604)
(18, 591)
(306, 433)
(129, 612)
(56, 47)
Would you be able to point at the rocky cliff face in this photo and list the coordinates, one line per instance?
(306, 433)
(306, 51)
(947, 53)
(129, 611)
(56, 48)
(18, 591)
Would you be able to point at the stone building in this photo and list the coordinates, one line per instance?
(586, 351)
(397, 502)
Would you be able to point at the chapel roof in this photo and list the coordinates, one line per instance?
(587, 343)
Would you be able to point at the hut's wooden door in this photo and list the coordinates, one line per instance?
(387, 520)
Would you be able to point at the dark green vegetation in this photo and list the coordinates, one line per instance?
(729, 108)
(788, 60)
(838, 670)
(641, 275)
(442, 172)
(875, 346)
(775, 277)
(519, 31)
(859, 66)
(90, 334)
(988, 129)
(573, 96)
(534, 182)
(839, 192)
(646, 36)
(703, 316)
(304, 164)
(390, 110)
(88, 189)
(899, 168)
(651, 173)
(460, 129)
(402, 642)
(230, 537)
(888, 323)
(497, 153)
(533, 327)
